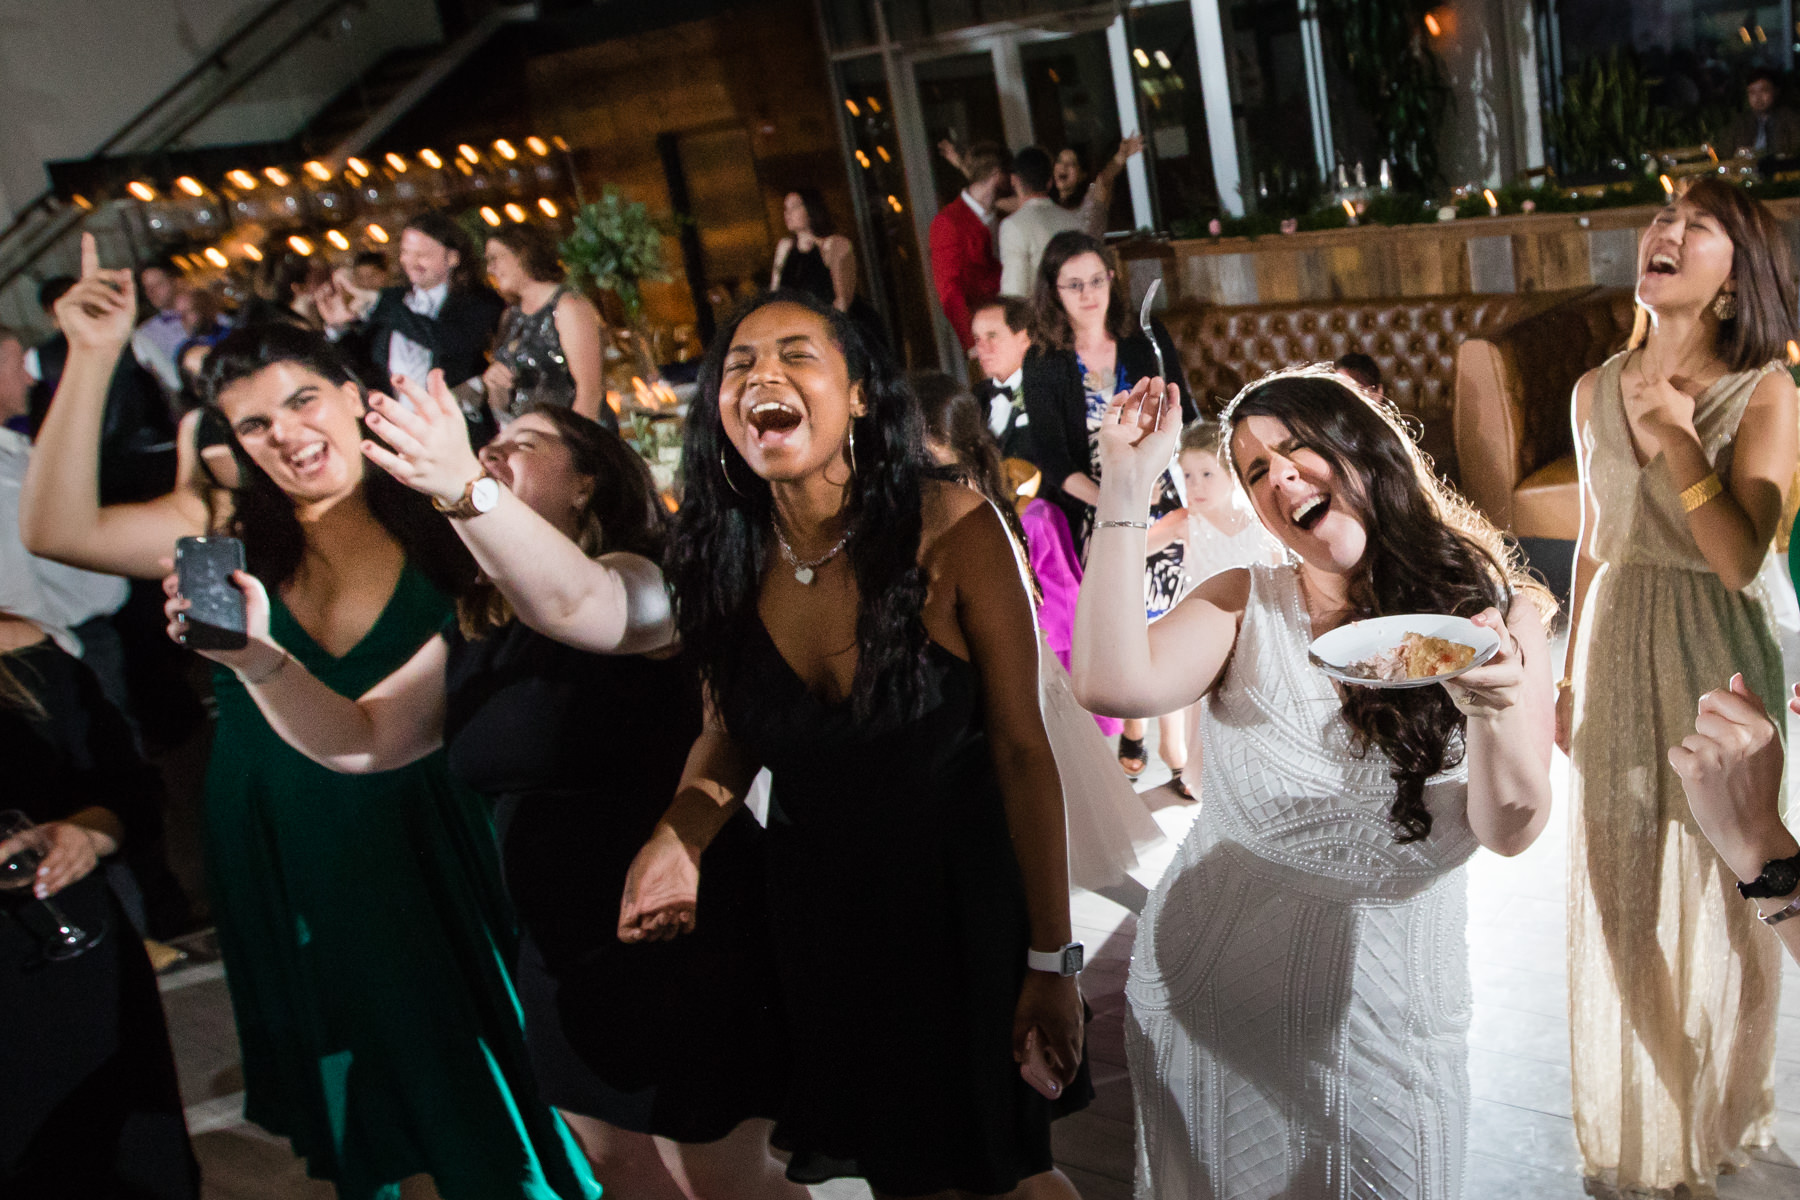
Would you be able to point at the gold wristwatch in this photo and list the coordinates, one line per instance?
(480, 496)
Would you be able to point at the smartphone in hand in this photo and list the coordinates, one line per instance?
(203, 567)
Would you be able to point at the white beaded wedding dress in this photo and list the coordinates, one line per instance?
(1299, 985)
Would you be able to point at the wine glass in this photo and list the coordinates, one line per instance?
(18, 871)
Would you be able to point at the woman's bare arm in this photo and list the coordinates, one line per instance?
(578, 329)
(840, 256)
(60, 515)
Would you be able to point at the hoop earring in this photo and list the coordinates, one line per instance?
(1725, 306)
(726, 472)
(853, 447)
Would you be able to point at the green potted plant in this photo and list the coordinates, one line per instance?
(617, 246)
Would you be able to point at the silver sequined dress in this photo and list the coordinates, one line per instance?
(1299, 985)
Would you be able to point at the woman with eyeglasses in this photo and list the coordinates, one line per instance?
(1086, 348)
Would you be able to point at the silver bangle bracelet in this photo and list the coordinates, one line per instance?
(1776, 918)
(1121, 525)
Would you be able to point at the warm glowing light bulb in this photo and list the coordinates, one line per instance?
(505, 149)
(251, 252)
(300, 245)
(190, 185)
(82, 202)
(469, 152)
(558, 142)
(851, 105)
(276, 176)
(141, 190)
(1432, 26)
(864, 160)
(547, 206)
(515, 212)
(885, 156)
(216, 257)
(536, 145)
(489, 215)
(1668, 185)
(243, 179)
(358, 165)
(430, 158)
(336, 238)
(396, 162)
(873, 103)
(1143, 60)
(377, 234)
(318, 170)
(1162, 60)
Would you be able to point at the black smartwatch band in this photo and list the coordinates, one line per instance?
(1779, 877)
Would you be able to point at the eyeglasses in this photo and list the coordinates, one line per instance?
(1098, 283)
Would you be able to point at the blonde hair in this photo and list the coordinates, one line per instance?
(1205, 436)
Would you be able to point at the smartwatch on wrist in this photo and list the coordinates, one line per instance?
(1779, 877)
(1065, 962)
(480, 496)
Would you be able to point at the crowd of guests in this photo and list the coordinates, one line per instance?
(494, 905)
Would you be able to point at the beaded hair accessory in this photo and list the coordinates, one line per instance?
(1399, 422)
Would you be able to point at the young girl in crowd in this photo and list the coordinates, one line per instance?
(579, 750)
(362, 921)
(862, 630)
(1686, 447)
(1217, 531)
(1299, 986)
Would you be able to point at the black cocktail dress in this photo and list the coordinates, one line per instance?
(581, 753)
(900, 933)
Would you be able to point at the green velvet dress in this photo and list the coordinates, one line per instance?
(368, 947)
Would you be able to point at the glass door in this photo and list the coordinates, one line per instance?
(1074, 105)
(959, 100)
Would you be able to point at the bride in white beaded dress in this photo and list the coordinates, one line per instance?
(1299, 986)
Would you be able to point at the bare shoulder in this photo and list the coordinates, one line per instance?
(1775, 389)
(957, 522)
(574, 304)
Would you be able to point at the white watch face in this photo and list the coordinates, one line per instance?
(485, 494)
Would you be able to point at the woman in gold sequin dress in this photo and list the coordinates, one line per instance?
(1686, 444)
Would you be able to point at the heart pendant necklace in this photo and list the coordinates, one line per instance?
(806, 572)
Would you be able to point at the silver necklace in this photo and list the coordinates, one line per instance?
(806, 572)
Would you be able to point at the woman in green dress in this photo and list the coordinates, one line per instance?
(365, 933)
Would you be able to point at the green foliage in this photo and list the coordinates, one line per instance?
(1607, 118)
(1397, 77)
(616, 246)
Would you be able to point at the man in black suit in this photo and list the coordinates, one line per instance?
(1002, 330)
(443, 318)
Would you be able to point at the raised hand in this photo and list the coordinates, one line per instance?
(1138, 435)
(100, 311)
(1495, 685)
(1730, 767)
(662, 890)
(259, 654)
(1128, 146)
(427, 445)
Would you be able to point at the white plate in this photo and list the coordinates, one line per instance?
(1360, 640)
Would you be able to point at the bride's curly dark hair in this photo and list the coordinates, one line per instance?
(1429, 551)
(722, 537)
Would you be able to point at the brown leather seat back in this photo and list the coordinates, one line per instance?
(1414, 342)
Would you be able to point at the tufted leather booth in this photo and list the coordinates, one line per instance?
(1514, 386)
(1414, 341)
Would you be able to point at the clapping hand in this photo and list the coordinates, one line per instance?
(1731, 768)
(1495, 685)
(427, 446)
(99, 313)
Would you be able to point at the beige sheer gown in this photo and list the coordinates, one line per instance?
(1673, 983)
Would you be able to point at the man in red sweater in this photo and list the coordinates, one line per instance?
(964, 264)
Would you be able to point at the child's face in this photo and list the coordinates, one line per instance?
(1209, 484)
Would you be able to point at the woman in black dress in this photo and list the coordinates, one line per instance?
(814, 258)
(89, 1105)
(863, 630)
(579, 746)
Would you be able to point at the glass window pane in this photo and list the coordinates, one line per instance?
(960, 101)
(893, 265)
(848, 23)
(1269, 103)
(1165, 74)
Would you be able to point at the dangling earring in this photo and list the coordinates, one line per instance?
(1724, 306)
(726, 472)
(853, 447)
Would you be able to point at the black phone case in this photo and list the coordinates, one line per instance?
(203, 567)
